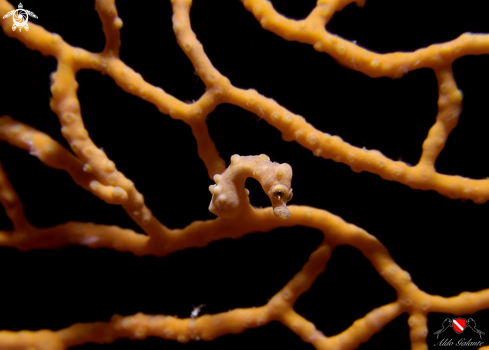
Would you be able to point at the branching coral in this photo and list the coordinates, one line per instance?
(156, 156)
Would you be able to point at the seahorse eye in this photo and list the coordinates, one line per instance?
(279, 192)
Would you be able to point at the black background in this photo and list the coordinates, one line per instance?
(440, 242)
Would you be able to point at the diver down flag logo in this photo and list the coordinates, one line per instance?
(458, 325)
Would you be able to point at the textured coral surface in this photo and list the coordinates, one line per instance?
(439, 241)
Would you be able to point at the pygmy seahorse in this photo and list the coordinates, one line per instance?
(230, 197)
